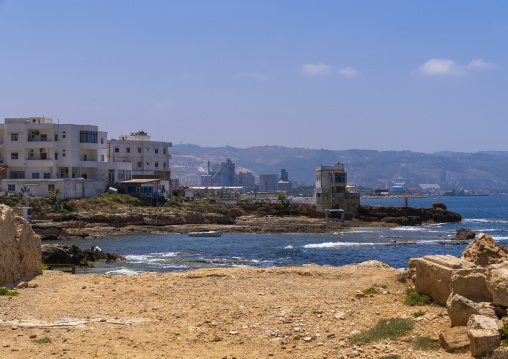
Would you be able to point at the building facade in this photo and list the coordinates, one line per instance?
(149, 159)
(37, 156)
(268, 182)
(332, 192)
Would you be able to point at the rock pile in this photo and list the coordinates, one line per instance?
(474, 290)
(20, 248)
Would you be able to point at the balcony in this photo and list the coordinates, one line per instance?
(88, 164)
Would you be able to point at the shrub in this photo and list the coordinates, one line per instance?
(413, 298)
(369, 291)
(44, 340)
(385, 329)
(419, 313)
(504, 335)
(425, 343)
(9, 293)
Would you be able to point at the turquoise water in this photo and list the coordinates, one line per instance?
(394, 246)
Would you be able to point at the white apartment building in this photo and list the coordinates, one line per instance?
(150, 159)
(37, 155)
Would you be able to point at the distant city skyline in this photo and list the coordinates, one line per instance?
(394, 75)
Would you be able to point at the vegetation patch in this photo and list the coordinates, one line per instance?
(9, 293)
(413, 298)
(425, 344)
(44, 340)
(419, 313)
(385, 329)
(384, 286)
(368, 291)
(390, 357)
(504, 335)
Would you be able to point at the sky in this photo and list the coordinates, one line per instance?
(423, 76)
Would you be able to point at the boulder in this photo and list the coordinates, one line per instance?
(454, 339)
(464, 234)
(485, 251)
(471, 285)
(460, 309)
(497, 283)
(20, 248)
(63, 254)
(483, 335)
(434, 273)
(439, 205)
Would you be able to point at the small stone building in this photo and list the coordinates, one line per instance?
(332, 191)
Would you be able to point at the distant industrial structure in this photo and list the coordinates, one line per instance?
(332, 192)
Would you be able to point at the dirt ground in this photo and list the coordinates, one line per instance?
(292, 312)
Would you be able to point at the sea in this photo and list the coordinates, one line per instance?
(393, 246)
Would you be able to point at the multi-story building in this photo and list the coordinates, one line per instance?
(332, 192)
(268, 182)
(37, 155)
(150, 159)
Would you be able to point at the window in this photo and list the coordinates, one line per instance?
(102, 140)
(165, 151)
(340, 177)
(88, 136)
(51, 187)
(128, 150)
(139, 149)
(164, 164)
(56, 155)
(14, 136)
(44, 138)
(156, 150)
(35, 175)
(44, 156)
(140, 164)
(84, 157)
(11, 188)
(121, 175)
(156, 164)
(147, 149)
(56, 137)
(47, 175)
(111, 176)
(102, 158)
(14, 155)
(128, 175)
(17, 175)
(117, 149)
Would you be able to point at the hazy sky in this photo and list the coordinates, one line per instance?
(388, 75)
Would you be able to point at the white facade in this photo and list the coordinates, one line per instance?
(37, 155)
(150, 159)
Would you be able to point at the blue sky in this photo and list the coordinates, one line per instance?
(388, 75)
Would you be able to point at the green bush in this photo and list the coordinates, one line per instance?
(413, 298)
(419, 313)
(44, 340)
(504, 335)
(368, 291)
(9, 293)
(385, 329)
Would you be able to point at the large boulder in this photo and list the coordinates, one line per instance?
(454, 339)
(71, 254)
(483, 334)
(471, 284)
(485, 251)
(460, 309)
(434, 274)
(497, 283)
(20, 248)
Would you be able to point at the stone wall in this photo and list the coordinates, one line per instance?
(20, 248)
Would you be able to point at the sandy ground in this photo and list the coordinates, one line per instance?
(293, 312)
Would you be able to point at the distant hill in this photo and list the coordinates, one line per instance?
(367, 168)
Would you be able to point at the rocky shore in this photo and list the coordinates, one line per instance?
(243, 218)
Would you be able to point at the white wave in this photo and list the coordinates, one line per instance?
(411, 229)
(485, 220)
(165, 254)
(500, 238)
(288, 247)
(337, 244)
(137, 258)
(123, 271)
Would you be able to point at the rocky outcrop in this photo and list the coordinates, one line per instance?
(497, 282)
(464, 234)
(62, 254)
(485, 251)
(407, 215)
(20, 248)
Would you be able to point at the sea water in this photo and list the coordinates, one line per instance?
(393, 246)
